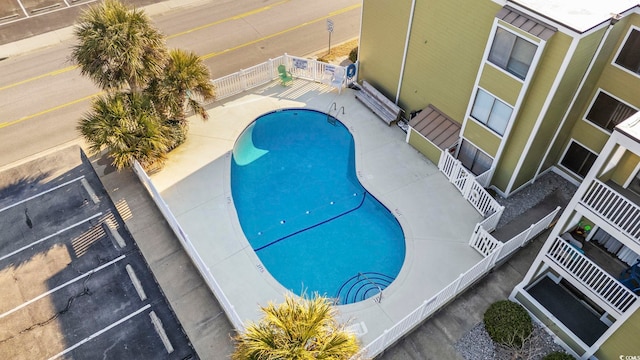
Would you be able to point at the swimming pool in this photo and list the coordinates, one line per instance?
(310, 221)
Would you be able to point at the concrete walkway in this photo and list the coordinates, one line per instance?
(435, 338)
(202, 316)
(195, 306)
(436, 220)
(210, 331)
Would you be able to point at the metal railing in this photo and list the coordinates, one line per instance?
(604, 286)
(379, 299)
(614, 208)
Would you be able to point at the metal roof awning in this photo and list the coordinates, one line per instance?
(434, 125)
(526, 23)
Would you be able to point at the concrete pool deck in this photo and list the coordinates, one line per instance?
(436, 220)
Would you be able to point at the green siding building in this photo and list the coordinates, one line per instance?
(516, 76)
(527, 87)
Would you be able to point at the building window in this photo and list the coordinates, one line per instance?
(473, 159)
(512, 53)
(629, 56)
(578, 159)
(491, 112)
(607, 112)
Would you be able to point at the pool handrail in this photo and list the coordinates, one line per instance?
(379, 300)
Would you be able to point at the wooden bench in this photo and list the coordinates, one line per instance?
(378, 103)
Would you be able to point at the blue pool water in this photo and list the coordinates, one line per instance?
(312, 224)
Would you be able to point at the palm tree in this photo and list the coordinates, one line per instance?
(298, 329)
(118, 47)
(184, 83)
(128, 126)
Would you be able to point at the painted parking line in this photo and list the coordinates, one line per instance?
(23, 9)
(45, 12)
(49, 236)
(98, 333)
(42, 193)
(95, 270)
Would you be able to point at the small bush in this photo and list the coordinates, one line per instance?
(508, 323)
(558, 355)
(353, 54)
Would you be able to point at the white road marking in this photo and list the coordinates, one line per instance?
(42, 193)
(48, 12)
(98, 333)
(23, 9)
(49, 236)
(26, 303)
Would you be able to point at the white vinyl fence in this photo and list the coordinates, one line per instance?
(485, 243)
(492, 249)
(494, 252)
(186, 244)
(471, 190)
(263, 73)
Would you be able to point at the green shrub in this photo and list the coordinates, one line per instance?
(508, 323)
(558, 355)
(353, 54)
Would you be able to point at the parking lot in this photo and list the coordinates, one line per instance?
(13, 10)
(21, 19)
(73, 282)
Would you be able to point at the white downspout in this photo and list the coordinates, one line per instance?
(406, 50)
(575, 97)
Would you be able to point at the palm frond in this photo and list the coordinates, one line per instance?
(297, 329)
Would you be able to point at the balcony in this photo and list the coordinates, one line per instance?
(576, 314)
(610, 204)
(591, 279)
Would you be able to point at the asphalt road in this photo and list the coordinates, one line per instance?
(42, 94)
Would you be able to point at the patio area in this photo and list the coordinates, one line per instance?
(437, 221)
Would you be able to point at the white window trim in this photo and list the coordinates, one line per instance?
(525, 86)
(593, 101)
(533, 60)
(486, 126)
(613, 61)
(564, 153)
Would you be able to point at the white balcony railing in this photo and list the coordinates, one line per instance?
(613, 207)
(604, 286)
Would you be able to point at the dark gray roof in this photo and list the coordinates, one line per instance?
(524, 22)
(437, 127)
